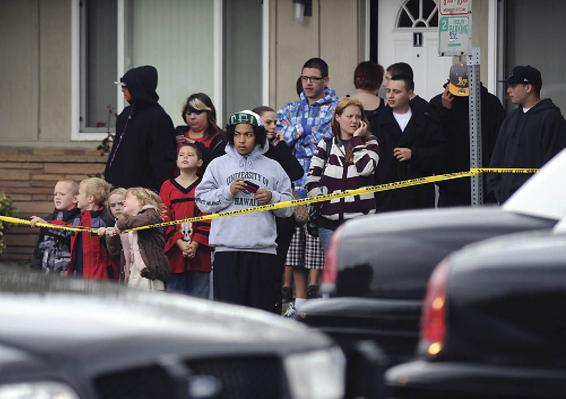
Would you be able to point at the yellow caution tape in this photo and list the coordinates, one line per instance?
(301, 201)
(8, 219)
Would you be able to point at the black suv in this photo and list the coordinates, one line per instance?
(69, 339)
(377, 267)
(493, 324)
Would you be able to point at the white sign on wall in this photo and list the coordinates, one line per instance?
(454, 27)
(455, 7)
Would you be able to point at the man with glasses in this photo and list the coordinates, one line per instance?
(304, 123)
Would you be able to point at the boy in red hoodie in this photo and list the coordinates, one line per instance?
(89, 256)
(187, 244)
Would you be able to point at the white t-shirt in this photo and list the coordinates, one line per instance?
(403, 119)
(525, 110)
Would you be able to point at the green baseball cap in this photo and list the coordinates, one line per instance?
(246, 116)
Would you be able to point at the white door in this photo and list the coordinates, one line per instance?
(403, 25)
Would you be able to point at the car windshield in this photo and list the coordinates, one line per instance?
(543, 195)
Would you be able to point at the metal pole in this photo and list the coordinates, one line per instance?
(474, 108)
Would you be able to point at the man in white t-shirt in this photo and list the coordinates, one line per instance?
(410, 144)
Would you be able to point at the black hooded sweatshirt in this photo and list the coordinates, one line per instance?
(144, 150)
(456, 155)
(526, 140)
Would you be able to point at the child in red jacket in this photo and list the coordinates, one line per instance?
(89, 256)
(187, 244)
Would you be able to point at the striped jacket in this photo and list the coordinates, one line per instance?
(340, 176)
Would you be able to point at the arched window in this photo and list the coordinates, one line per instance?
(419, 14)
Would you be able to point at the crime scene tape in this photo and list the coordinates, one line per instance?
(302, 201)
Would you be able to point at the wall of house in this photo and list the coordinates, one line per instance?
(332, 33)
(35, 70)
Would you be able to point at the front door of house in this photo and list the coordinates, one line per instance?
(408, 32)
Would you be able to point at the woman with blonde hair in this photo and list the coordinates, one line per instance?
(346, 161)
(200, 115)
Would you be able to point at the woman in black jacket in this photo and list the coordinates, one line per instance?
(281, 152)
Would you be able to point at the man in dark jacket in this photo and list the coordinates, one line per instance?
(452, 110)
(530, 136)
(410, 144)
(143, 153)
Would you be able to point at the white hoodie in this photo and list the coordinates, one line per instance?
(254, 232)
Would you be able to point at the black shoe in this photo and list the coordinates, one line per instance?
(286, 294)
(312, 292)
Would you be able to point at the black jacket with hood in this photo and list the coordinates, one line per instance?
(144, 150)
(456, 155)
(526, 140)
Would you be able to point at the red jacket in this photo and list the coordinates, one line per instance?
(96, 261)
(180, 204)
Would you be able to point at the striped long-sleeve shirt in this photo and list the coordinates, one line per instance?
(330, 173)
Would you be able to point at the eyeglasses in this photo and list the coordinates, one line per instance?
(313, 79)
(244, 134)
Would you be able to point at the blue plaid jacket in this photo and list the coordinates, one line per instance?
(303, 126)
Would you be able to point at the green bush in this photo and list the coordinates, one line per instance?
(6, 209)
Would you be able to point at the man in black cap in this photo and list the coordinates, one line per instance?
(529, 137)
(452, 109)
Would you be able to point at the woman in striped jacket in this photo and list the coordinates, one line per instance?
(346, 161)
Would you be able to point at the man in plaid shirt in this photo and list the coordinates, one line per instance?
(304, 124)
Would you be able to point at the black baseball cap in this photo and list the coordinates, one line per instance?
(524, 74)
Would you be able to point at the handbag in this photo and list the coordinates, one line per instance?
(301, 212)
(314, 214)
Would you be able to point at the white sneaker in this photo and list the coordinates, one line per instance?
(291, 312)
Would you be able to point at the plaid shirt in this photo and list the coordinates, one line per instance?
(303, 126)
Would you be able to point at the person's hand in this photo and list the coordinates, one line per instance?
(101, 231)
(362, 130)
(180, 139)
(192, 249)
(35, 220)
(277, 138)
(237, 186)
(402, 154)
(263, 196)
(447, 99)
(183, 246)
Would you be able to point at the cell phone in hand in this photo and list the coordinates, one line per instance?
(250, 187)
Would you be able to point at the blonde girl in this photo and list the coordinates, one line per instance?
(347, 161)
(146, 265)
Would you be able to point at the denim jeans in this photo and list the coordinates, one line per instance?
(190, 283)
(325, 235)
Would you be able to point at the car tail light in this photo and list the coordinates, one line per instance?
(433, 327)
(331, 264)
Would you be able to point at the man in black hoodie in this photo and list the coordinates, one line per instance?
(143, 153)
(529, 137)
(452, 109)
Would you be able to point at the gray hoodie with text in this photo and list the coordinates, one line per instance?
(254, 232)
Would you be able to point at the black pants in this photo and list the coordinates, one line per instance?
(285, 230)
(248, 278)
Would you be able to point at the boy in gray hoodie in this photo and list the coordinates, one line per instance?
(245, 262)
